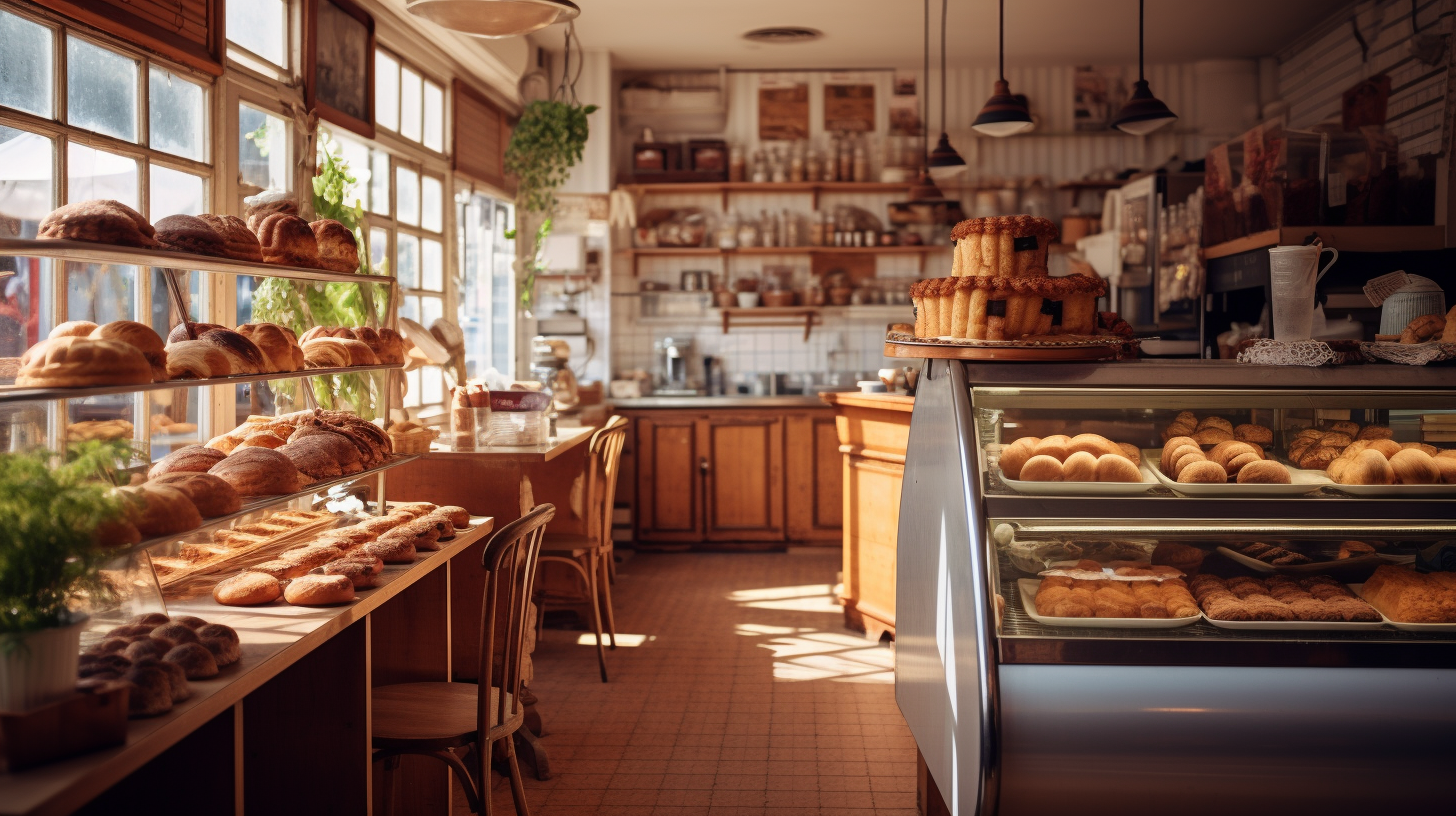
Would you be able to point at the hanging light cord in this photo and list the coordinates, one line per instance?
(1001, 41)
(944, 5)
(1140, 41)
(925, 96)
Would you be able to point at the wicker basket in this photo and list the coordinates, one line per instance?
(416, 440)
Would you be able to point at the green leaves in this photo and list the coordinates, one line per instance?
(547, 142)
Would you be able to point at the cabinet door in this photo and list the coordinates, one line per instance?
(815, 469)
(669, 486)
(744, 479)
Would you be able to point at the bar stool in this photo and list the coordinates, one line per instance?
(437, 719)
(589, 554)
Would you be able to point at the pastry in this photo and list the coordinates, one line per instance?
(244, 357)
(261, 439)
(1224, 452)
(1212, 436)
(1414, 466)
(396, 550)
(1185, 460)
(1411, 597)
(1370, 467)
(1183, 557)
(188, 233)
(337, 250)
(391, 347)
(362, 573)
(1080, 467)
(1263, 471)
(1354, 549)
(1202, 472)
(80, 362)
(151, 692)
(196, 360)
(286, 240)
(1236, 465)
(164, 510)
(140, 337)
(1424, 329)
(359, 353)
(1318, 457)
(195, 659)
(1042, 468)
(222, 641)
(1215, 422)
(211, 496)
(275, 342)
(72, 328)
(247, 589)
(1130, 451)
(1093, 444)
(443, 527)
(1429, 450)
(1374, 432)
(326, 352)
(1254, 434)
(1171, 446)
(180, 332)
(458, 516)
(1114, 467)
(191, 459)
(1055, 446)
(323, 456)
(280, 569)
(101, 221)
(1015, 455)
(238, 242)
(1386, 447)
(259, 472)
(319, 590)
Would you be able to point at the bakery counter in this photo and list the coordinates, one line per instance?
(290, 714)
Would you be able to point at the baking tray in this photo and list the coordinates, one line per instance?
(1416, 491)
(1302, 626)
(1299, 569)
(1029, 586)
(1302, 482)
(1032, 488)
(1359, 589)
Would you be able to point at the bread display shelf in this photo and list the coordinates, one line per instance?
(906, 346)
(264, 502)
(12, 393)
(1302, 482)
(1029, 586)
(1035, 488)
(1297, 569)
(84, 252)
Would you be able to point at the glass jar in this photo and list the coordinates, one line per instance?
(728, 232)
(747, 233)
(737, 164)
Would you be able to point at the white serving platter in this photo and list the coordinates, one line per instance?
(1031, 488)
(1301, 482)
(1359, 589)
(1295, 626)
(1029, 586)
(1400, 491)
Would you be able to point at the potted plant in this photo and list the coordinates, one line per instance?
(50, 509)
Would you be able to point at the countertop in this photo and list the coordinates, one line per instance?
(565, 440)
(784, 401)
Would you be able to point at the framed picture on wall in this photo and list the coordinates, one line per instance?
(339, 64)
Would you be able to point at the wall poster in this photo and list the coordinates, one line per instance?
(849, 108)
(783, 112)
(341, 65)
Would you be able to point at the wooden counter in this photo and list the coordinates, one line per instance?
(286, 728)
(873, 430)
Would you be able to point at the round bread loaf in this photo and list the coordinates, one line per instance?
(102, 221)
(191, 459)
(1429, 450)
(259, 472)
(72, 328)
(1042, 468)
(325, 352)
(175, 633)
(1213, 435)
(1185, 460)
(1114, 467)
(1354, 448)
(319, 590)
(1336, 470)
(146, 647)
(81, 362)
(322, 455)
(196, 360)
(360, 573)
(164, 510)
(1336, 439)
(1254, 434)
(247, 589)
(211, 495)
(188, 233)
(1351, 429)
(260, 206)
(286, 240)
(1215, 422)
(1130, 451)
(238, 242)
(276, 343)
(1263, 471)
(401, 550)
(1014, 456)
(1236, 465)
(1414, 466)
(191, 622)
(195, 659)
(1204, 472)
(1056, 446)
(1375, 432)
(1318, 457)
(152, 692)
(1080, 466)
(1094, 444)
(1370, 467)
(337, 250)
(244, 357)
(1386, 447)
(458, 516)
(141, 337)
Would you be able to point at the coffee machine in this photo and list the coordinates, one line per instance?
(675, 373)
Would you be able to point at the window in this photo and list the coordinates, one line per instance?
(25, 65)
(263, 147)
(260, 27)
(487, 281)
(408, 103)
(101, 89)
(178, 115)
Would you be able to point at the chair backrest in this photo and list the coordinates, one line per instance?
(510, 575)
(604, 458)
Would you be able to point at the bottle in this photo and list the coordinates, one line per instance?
(831, 161)
(816, 230)
(793, 231)
(796, 163)
(861, 165)
(846, 160)
(760, 168)
(737, 166)
(814, 168)
(779, 169)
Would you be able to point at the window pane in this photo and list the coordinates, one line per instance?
(432, 265)
(25, 194)
(25, 65)
(434, 116)
(432, 203)
(410, 307)
(356, 155)
(101, 90)
(262, 150)
(409, 104)
(407, 196)
(259, 26)
(431, 309)
(432, 385)
(177, 112)
(379, 251)
(98, 174)
(379, 182)
(386, 91)
(174, 192)
(412, 389)
(407, 261)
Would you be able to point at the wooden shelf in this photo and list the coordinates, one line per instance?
(773, 316)
(1346, 239)
(722, 254)
(724, 189)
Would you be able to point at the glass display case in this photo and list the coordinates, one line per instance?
(1052, 624)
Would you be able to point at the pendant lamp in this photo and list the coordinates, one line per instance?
(494, 18)
(1005, 114)
(944, 162)
(1143, 113)
(925, 190)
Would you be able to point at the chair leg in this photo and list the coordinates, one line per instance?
(591, 587)
(606, 599)
(518, 788)
(391, 770)
(477, 795)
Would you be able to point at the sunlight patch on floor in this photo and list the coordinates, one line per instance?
(806, 598)
(590, 639)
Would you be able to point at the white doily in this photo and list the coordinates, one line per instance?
(1310, 353)
(1408, 353)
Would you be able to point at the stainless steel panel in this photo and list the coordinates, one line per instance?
(1211, 740)
(944, 677)
(1210, 374)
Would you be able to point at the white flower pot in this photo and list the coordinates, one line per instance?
(40, 667)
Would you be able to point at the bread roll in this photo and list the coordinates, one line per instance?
(211, 496)
(247, 589)
(1179, 453)
(1374, 432)
(81, 362)
(323, 456)
(244, 357)
(1414, 466)
(179, 334)
(259, 472)
(1179, 429)
(1215, 422)
(1131, 452)
(195, 659)
(1263, 471)
(188, 233)
(1318, 457)
(141, 337)
(1204, 472)
(287, 240)
(1093, 444)
(325, 352)
(1386, 447)
(1172, 445)
(1354, 448)
(359, 353)
(72, 328)
(196, 360)
(275, 342)
(151, 693)
(1337, 468)
(101, 221)
(361, 573)
(1369, 468)
(1080, 466)
(238, 242)
(319, 590)
(1114, 467)
(1042, 468)
(1446, 466)
(1236, 465)
(391, 351)
(337, 250)
(191, 459)
(1429, 450)
(444, 528)
(1254, 434)
(459, 516)
(164, 511)
(1015, 455)
(1055, 446)
(1185, 460)
(1213, 436)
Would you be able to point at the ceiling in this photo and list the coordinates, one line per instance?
(888, 33)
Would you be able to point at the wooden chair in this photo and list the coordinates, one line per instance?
(438, 719)
(589, 554)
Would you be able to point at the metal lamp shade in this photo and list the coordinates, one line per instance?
(495, 18)
(1143, 113)
(945, 163)
(1005, 114)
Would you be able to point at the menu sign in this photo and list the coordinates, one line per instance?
(849, 108)
(783, 112)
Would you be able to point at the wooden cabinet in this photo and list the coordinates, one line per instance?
(735, 475)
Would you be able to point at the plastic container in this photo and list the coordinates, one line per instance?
(516, 418)
(1293, 272)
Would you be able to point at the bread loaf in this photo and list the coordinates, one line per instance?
(1414, 466)
(1093, 444)
(275, 342)
(391, 347)
(1080, 466)
(326, 352)
(72, 328)
(140, 337)
(102, 221)
(458, 516)
(1113, 467)
(1202, 472)
(188, 233)
(244, 357)
(359, 353)
(238, 242)
(1263, 471)
(1042, 468)
(324, 456)
(260, 206)
(319, 590)
(211, 495)
(81, 362)
(179, 331)
(1254, 434)
(287, 240)
(1370, 467)
(337, 250)
(1057, 446)
(1013, 456)
(259, 472)
(361, 572)
(247, 589)
(196, 360)
(164, 511)
(191, 459)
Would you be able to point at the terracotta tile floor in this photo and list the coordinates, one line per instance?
(745, 696)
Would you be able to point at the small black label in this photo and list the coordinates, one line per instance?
(996, 308)
(1053, 308)
(1023, 244)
